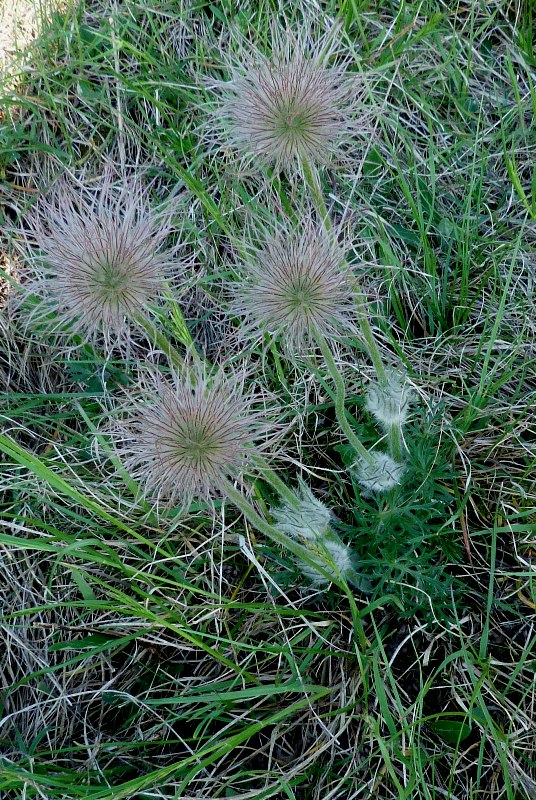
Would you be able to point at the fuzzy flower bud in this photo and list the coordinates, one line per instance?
(389, 403)
(308, 523)
(308, 520)
(380, 474)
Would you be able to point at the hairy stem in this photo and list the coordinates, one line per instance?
(395, 442)
(271, 477)
(313, 182)
(340, 396)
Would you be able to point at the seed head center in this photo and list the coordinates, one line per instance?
(303, 296)
(198, 444)
(112, 279)
(293, 121)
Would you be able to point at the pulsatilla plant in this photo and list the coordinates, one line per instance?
(295, 284)
(183, 438)
(98, 256)
(297, 104)
(295, 109)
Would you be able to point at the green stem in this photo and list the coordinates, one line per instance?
(368, 335)
(313, 181)
(298, 550)
(275, 482)
(340, 395)
(174, 357)
(395, 442)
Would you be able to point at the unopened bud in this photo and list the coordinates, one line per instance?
(389, 402)
(379, 474)
(308, 522)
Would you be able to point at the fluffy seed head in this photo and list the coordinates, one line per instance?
(186, 436)
(97, 255)
(308, 522)
(296, 103)
(389, 403)
(380, 474)
(295, 284)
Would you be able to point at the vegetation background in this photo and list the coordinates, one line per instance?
(190, 659)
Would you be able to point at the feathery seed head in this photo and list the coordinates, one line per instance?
(187, 436)
(296, 284)
(390, 403)
(98, 256)
(296, 103)
(380, 474)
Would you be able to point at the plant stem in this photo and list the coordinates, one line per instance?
(174, 357)
(271, 477)
(395, 442)
(340, 394)
(313, 182)
(368, 335)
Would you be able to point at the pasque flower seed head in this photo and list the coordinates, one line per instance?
(296, 284)
(184, 437)
(98, 256)
(297, 103)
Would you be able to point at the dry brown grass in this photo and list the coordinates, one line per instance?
(19, 24)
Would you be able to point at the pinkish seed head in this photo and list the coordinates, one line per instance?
(297, 103)
(98, 257)
(296, 284)
(184, 437)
